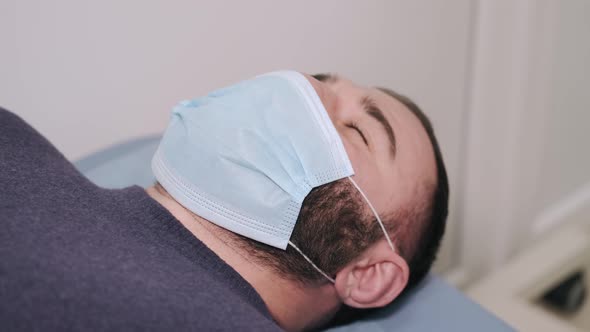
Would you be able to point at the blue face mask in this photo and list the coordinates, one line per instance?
(246, 156)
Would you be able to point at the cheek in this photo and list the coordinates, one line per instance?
(367, 175)
(359, 160)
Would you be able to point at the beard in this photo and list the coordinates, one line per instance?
(333, 228)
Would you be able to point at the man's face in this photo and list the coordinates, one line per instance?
(387, 145)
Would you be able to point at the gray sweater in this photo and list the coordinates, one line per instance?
(77, 257)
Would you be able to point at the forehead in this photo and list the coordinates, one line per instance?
(415, 154)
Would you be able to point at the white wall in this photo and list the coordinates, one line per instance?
(565, 166)
(527, 157)
(92, 73)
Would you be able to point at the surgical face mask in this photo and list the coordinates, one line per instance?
(246, 156)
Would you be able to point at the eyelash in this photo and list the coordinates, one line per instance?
(354, 126)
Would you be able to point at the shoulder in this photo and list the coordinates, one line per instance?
(221, 308)
(9, 120)
(15, 130)
(28, 161)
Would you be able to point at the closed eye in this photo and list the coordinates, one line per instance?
(358, 130)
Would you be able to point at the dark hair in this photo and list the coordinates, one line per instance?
(428, 241)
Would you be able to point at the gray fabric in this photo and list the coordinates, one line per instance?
(432, 306)
(76, 257)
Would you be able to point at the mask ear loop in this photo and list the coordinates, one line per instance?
(375, 213)
(312, 264)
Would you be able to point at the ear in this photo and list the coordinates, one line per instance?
(373, 280)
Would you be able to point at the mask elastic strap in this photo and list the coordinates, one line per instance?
(312, 264)
(378, 220)
(375, 213)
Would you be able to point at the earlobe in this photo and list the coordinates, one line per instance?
(374, 280)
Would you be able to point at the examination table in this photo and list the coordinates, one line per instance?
(432, 306)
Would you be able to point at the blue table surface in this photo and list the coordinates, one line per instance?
(433, 305)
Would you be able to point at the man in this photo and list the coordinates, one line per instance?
(184, 255)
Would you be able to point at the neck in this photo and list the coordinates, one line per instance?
(293, 306)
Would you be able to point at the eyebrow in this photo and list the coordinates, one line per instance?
(373, 110)
(326, 77)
